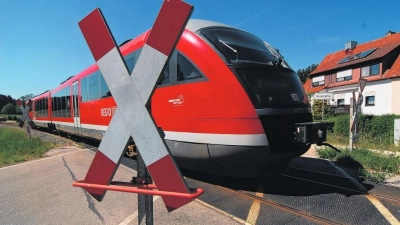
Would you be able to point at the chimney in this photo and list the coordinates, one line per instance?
(390, 33)
(350, 45)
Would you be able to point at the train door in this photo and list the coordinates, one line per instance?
(75, 104)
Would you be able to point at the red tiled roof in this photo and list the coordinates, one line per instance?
(394, 71)
(383, 46)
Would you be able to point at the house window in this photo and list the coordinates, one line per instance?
(318, 81)
(370, 101)
(340, 101)
(370, 70)
(375, 69)
(344, 75)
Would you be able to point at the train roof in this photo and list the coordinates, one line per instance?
(195, 25)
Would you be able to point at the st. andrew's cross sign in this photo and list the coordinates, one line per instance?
(25, 111)
(132, 93)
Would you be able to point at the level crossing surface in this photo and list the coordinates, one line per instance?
(40, 192)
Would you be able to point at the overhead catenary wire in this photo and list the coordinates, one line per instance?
(244, 21)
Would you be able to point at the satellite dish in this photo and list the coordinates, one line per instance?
(348, 51)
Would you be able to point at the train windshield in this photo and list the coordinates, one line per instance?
(270, 86)
(241, 47)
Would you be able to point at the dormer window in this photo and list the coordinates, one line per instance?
(344, 75)
(370, 70)
(318, 81)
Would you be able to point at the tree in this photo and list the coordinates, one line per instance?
(317, 108)
(8, 109)
(4, 100)
(303, 73)
(25, 98)
(17, 110)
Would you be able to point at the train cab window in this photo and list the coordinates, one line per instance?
(186, 70)
(179, 69)
(104, 90)
(164, 78)
(93, 86)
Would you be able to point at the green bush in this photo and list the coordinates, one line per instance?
(374, 131)
(341, 125)
(9, 118)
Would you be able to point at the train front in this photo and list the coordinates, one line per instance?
(276, 93)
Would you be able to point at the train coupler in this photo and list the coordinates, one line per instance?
(313, 133)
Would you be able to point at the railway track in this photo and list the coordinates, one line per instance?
(274, 199)
(306, 215)
(356, 191)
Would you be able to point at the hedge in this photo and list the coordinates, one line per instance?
(369, 125)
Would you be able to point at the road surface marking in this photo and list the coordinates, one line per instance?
(255, 207)
(378, 205)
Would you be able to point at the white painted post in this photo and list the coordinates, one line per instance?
(351, 122)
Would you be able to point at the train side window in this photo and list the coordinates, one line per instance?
(53, 105)
(41, 108)
(68, 101)
(37, 108)
(94, 86)
(186, 70)
(104, 90)
(46, 107)
(84, 89)
(59, 105)
(130, 62)
(63, 103)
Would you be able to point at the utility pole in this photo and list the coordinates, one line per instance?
(355, 107)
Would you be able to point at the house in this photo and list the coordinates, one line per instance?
(377, 61)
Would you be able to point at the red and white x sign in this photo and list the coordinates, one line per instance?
(132, 94)
(25, 116)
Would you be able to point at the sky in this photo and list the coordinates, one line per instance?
(41, 44)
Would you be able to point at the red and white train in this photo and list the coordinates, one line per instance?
(227, 102)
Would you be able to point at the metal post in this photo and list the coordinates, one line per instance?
(323, 109)
(145, 202)
(28, 129)
(351, 122)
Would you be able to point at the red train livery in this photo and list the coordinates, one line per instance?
(227, 102)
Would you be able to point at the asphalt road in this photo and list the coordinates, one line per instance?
(41, 192)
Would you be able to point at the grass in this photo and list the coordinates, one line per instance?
(15, 146)
(12, 116)
(372, 166)
(365, 142)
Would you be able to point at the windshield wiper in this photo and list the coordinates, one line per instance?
(234, 50)
(270, 63)
(275, 52)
